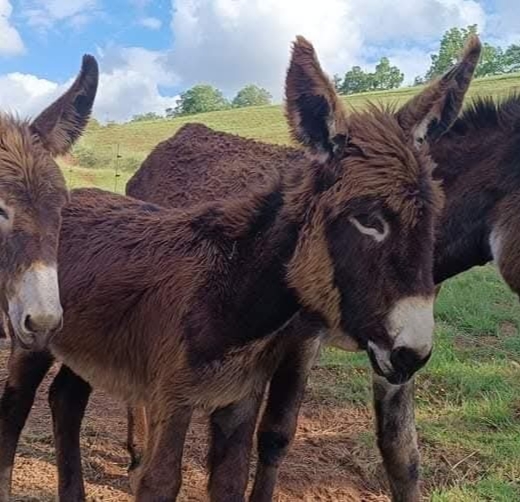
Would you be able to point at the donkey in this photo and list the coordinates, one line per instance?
(32, 194)
(430, 113)
(177, 309)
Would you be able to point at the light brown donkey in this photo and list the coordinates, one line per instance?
(32, 194)
(193, 308)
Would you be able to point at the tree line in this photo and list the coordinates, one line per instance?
(494, 60)
(203, 98)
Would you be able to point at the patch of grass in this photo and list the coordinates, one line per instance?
(266, 123)
(468, 396)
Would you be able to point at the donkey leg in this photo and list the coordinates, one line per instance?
(232, 429)
(160, 474)
(136, 435)
(26, 370)
(280, 418)
(68, 398)
(136, 441)
(397, 437)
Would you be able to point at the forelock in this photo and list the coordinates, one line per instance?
(380, 162)
(25, 166)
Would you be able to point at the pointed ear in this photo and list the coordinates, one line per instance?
(315, 115)
(63, 122)
(432, 112)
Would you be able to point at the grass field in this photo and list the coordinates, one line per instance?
(133, 141)
(469, 395)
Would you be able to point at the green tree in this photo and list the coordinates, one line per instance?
(418, 80)
(356, 80)
(492, 61)
(450, 49)
(199, 99)
(512, 58)
(337, 81)
(145, 116)
(252, 95)
(386, 76)
(170, 113)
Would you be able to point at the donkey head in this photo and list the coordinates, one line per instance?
(32, 195)
(364, 260)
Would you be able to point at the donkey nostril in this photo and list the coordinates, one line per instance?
(42, 323)
(29, 326)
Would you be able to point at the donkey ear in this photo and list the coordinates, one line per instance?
(432, 112)
(63, 122)
(315, 115)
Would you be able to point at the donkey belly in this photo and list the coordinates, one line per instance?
(103, 372)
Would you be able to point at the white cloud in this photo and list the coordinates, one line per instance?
(10, 40)
(45, 13)
(125, 92)
(128, 85)
(26, 94)
(388, 20)
(150, 22)
(233, 42)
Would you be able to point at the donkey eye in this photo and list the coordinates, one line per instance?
(3, 214)
(373, 225)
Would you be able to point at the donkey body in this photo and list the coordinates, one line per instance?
(201, 307)
(32, 194)
(478, 162)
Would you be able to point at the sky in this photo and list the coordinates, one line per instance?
(149, 51)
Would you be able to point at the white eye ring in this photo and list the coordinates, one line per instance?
(373, 232)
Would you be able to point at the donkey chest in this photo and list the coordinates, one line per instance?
(240, 373)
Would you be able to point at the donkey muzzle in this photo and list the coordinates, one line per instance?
(410, 327)
(34, 308)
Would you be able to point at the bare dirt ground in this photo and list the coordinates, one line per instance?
(325, 463)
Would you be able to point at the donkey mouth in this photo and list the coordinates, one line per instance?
(384, 368)
(31, 341)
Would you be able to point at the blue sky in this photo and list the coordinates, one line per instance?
(150, 50)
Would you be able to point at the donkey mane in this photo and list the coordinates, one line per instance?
(487, 112)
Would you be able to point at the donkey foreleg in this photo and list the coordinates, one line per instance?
(136, 438)
(280, 417)
(160, 473)
(68, 398)
(26, 371)
(397, 437)
(232, 429)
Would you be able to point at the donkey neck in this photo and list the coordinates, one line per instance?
(478, 167)
(249, 297)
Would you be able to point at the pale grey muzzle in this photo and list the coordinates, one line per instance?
(410, 325)
(34, 308)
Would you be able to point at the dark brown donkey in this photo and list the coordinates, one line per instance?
(32, 194)
(193, 308)
(199, 165)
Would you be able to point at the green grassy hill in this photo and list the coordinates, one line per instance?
(99, 147)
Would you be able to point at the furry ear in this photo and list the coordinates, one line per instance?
(432, 112)
(315, 115)
(63, 122)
